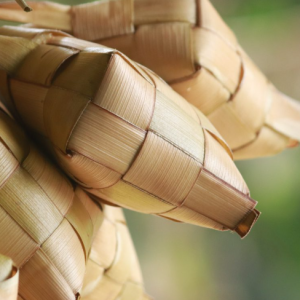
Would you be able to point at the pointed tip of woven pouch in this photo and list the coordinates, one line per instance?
(246, 224)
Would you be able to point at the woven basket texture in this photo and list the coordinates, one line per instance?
(188, 45)
(113, 270)
(121, 132)
(48, 227)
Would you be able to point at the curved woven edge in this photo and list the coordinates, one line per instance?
(113, 130)
(9, 279)
(190, 46)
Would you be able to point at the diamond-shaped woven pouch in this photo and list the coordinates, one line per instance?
(188, 45)
(121, 132)
(48, 227)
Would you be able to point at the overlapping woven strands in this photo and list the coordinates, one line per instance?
(113, 270)
(47, 227)
(121, 132)
(9, 279)
(188, 45)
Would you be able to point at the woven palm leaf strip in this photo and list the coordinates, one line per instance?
(188, 45)
(113, 270)
(121, 132)
(9, 279)
(47, 227)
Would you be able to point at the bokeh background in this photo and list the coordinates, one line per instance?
(184, 262)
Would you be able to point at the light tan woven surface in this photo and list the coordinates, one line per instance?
(188, 44)
(121, 132)
(113, 270)
(47, 227)
(9, 279)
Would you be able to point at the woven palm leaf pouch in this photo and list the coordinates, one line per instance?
(121, 132)
(62, 242)
(188, 44)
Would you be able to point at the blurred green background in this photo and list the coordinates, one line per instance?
(184, 262)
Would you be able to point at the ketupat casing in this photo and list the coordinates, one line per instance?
(113, 270)
(188, 45)
(47, 227)
(121, 132)
(9, 279)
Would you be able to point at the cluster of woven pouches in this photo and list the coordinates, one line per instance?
(86, 128)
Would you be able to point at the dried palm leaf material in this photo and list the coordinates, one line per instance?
(113, 270)
(9, 279)
(188, 45)
(121, 132)
(47, 226)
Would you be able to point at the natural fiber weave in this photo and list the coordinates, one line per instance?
(47, 227)
(188, 45)
(113, 270)
(121, 132)
(9, 279)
